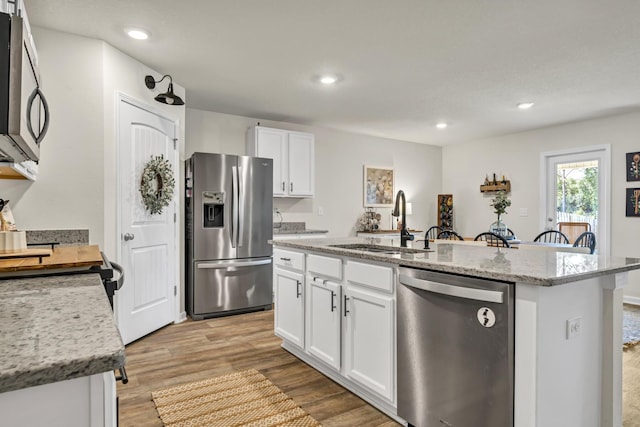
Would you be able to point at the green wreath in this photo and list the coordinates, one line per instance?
(156, 185)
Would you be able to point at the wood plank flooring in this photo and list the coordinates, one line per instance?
(192, 351)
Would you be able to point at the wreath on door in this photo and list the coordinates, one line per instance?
(156, 185)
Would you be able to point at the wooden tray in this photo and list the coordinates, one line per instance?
(60, 257)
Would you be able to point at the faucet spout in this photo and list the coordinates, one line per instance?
(404, 233)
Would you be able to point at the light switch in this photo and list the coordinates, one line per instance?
(524, 212)
(320, 211)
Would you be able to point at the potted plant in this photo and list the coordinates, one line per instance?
(500, 203)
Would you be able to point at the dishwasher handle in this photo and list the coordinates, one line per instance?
(453, 290)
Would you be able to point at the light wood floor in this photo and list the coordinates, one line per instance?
(191, 351)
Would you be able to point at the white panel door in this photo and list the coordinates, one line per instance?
(555, 165)
(370, 341)
(272, 144)
(301, 164)
(289, 316)
(324, 310)
(146, 301)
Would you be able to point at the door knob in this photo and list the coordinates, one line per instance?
(128, 236)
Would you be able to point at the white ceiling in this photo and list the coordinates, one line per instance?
(405, 65)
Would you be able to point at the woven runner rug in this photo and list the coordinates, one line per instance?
(245, 398)
(630, 327)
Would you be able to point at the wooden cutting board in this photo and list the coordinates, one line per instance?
(60, 257)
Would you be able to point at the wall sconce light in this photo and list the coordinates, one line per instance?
(168, 97)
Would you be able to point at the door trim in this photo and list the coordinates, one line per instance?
(120, 98)
(604, 220)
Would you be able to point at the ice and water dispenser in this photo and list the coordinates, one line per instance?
(213, 209)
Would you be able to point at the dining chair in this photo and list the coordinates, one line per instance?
(432, 232)
(449, 235)
(552, 236)
(510, 233)
(586, 240)
(573, 229)
(493, 239)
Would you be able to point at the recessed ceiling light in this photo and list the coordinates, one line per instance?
(328, 79)
(137, 33)
(525, 105)
(441, 125)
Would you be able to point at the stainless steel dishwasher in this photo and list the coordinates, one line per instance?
(455, 350)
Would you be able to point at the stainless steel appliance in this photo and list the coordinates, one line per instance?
(229, 221)
(24, 114)
(455, 350)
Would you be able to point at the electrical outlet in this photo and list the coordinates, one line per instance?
(574, 327)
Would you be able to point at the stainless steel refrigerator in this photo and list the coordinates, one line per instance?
(229, 221)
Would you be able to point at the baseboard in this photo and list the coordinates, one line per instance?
(181, 317)
(631, 300)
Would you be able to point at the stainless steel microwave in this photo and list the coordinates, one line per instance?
(24, 113)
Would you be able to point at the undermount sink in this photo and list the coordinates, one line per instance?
(388, 250)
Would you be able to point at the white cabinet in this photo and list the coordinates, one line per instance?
(288, 281)
(293, 159)
(79, 402)
(301, 164)
(370, 340)
(324, 310)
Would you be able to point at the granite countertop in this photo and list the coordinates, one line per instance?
(56, 328)
(544, 268)
(294, 228)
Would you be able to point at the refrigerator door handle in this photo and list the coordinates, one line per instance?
(241, 198)
(234, 206)
(233, 264)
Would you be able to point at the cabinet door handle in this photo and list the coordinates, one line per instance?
(123, 376)
(298, 289)
(333, 304)
(282, 185)
(346, 298)
(291, 187)
(285, 259)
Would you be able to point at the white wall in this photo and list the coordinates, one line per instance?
(518, 156)
(69, 191)
(339, 161)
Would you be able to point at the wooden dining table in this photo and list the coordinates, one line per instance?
(558, 247)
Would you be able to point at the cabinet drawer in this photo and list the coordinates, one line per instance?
(289, 259)
(324, 266)
(373, 276)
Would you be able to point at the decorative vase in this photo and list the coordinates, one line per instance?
(499, 228)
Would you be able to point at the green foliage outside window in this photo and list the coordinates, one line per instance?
(578, 194)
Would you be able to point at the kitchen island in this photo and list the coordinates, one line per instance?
(336, 310)
(60, 346)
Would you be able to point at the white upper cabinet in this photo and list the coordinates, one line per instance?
(293, 159)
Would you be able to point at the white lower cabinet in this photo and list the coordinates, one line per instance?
(79, 402)
(289, 315)
(369, 340)
(324, 317)
(349, 328)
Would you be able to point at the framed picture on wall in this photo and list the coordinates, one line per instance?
(378, 187)
(633, 166)
(633, 198)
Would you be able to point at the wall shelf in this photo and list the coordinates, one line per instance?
(500, 186)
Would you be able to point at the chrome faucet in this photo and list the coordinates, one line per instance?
(404, 233)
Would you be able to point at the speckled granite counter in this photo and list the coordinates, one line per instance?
(277, 232)
(64, 237)
(294, 228)
(54, 329)
(535, 267)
